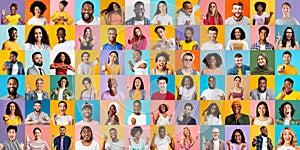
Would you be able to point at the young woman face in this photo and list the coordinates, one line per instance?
(188, 34)
(137, 83)
(237, 34)
(38, 35)
(12, 108)
(13, 10)
(86, 84)
(87, 32)
(86, 134)
(113, 57)
(212, 7)
(262, 110)
(115, 7)
(62, 108)
(161, 62)
(259, 8)
(186, 132)
(261, 61)
(212, 61)
(137, 32)
(61, 7)
(162, 108)
(37, 134)
(237, 81)
(85, 58)
(63, 83)
(287, 136)
(112, 110)
(62, 57)
(213, 109)
(289, 34)
(162, 7)
(137, 134)
(37, 11)
(238, 137)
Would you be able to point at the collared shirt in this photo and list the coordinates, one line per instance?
(257, 46)
(187, 120)
(280, 121)
(65, 144)
(132, 20)
(260, 143)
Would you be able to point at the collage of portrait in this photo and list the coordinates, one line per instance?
(149, 74)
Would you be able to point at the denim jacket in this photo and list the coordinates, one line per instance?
(234, 70)
(10, 67)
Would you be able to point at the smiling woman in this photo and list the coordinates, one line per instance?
(37, 9)
(37, 39)
(86, 141)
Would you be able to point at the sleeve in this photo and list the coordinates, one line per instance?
(96, 146)
(129, 119)
(171, 21)
(220, 120)
(79, 69)
(4, 46)
(144, 43)
(180, 20)
(143, 95)
(70, 19)
(246, 46)
(54, 16)
(55, 142)
(130, 41)
(70, 118)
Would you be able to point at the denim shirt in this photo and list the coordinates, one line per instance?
(10, 67)
(234, 70)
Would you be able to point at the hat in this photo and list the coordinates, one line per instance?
(236, 103)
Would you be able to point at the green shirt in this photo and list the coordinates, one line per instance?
(243, 120)
(280, 121)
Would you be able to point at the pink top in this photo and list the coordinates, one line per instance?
(139, 45)
(211, 21)
(116, 19)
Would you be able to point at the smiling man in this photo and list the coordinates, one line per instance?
(63, 44)
(239, 68)
(212, 44)
(287, 92)
(163, 93)
(87, 18)
(237, 18)
(262, 92)
(12, 143)
(237, 118)
(112, 43)
(139, 19)
(212, 93)
(115, 143)
(11, 43)
(262, 44)
(12, 88)
(286, 68)
(164, 43)
(13, 66)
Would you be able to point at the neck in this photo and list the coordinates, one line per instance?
(238, 18)
(213, 42)
(139, 18)
(12, 96)
(112, 43)
(89, 21)
(286, 15)
(288, 117)
(113, 93)
(115, 140)
(163, 91)
(12, 40)
(263, 42)
(87, 119)
(62, 41)
(163, 13)
(38, 43)
(37, 112)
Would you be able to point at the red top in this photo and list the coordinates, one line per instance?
(63, 70)
(166, 96)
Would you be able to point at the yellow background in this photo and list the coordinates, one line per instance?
(254, 81)
(170, 33)
(178, 5)
(222, 107)
(255, 131)
(169, 129)
(30, 80)
(80, 87)
(170, 63)
(196, 79)
(5, 54)
(93, 54)
(105, 131)
(54, 130)
(120, 32)
(245, 109)
(269, 7)
(204, 35)
(54, 108)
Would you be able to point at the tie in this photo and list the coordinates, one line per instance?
(62, 144)
(40, 69)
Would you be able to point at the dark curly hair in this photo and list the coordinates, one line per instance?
(159, 109)
(281, 109)
(38, 4)
(17, 111)
(208, 110)
(232, 140)
(142, 83)
(58, 60)
(263, 5)
(164, 54)
(207, 58)
(187, 77)
(136, 129)
(243, 34)
(59, 81)
(31, 39)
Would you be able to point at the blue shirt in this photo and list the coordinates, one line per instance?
(117, 46)
(10, 67)
(67, 142)
(234, 70)
(256, 46)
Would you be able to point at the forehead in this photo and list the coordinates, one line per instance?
(12, 81)
(87, 6)
(237, 6)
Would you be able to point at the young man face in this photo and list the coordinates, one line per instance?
(112, 35)
(38, 60)
(237, 11)
(12, 86)
(264, 131)
(238, 61)
(211, 83)
(286, 9)
(137, 107)
(236, 109)
(286, 59)
(162, 133)
(87, 12)
(187, 61)
(37, 107)
(62, 131)
(263, 35)
(162, 84)
(86, 112)
(13, 35)
(136, 56)
(187, 110)
(139, 11)
(161, 33)
(61, 34)
(262, 85)
(212, 35)
(12, 58)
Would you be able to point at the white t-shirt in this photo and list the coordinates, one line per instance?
(260, 20)
(86, 68)
(40, 96)
(182, 18)
(140, 119)
(212, 46)
(237, 45)
(96, 21)
(216, 144)
(231, 21)
(67, 45)
(187, 94)
(212, 94)
(140, 71)
(94, 146)
(139, 22)
(162, 143)
(120, 145)
(162, 120)
(164, 20)
(212, 120)
(283, 147)
(63, 120)
(15, 69)
(29, 46)
(37, 21)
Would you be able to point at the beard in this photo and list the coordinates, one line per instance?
(38, 64)
(262, 91)
(86, 19)
(12, 92)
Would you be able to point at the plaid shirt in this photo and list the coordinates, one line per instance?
(132, 20)
(280, 121)
(256, 46)
(259, 143)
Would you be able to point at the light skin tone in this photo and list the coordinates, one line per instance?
(161, 33)
(286, 10)
(286, 59)
(37, 111)
(88, 89)
(261, 61)
(163, 12)
(11, 116)
(238, 139)
(289, 35)
(236, 89)
(12, 137)
(237, 12)
(212, 9)
(161, 67)
(187, 113)
(215, 133)
(262, 111)
(62, 109)
(84, 40)
(112, 58)
(185, 138)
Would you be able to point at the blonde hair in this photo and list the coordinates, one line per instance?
(293, 141)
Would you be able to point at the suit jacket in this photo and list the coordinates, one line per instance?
(33, 71)
(210, 145)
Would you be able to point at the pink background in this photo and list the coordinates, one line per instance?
(78, 129)
(254, 36)
(146, 81)
(45, 132)
(271, 106)
(146, 133)
(194, 132)
(204, 6)
(154, 108)
(129, 32)
(79, 32)
(69, 9)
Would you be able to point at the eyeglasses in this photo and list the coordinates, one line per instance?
(188, 59)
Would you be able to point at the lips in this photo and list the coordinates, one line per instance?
(86, 15)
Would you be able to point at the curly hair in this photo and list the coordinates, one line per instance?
(17, 111)
(187, 77)
(281, 109)
(142, 83)
(166, 108)
(136, 129)
(232, 35)
(59, 81)
(31, 39)
(89, 128)
(293, 141)
(58, 60)
(207, 58)
(38, 4)
(163, 54)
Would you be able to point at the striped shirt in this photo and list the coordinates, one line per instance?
(37, 145)
(9, 145)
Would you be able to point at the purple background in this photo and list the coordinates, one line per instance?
(180, 108)
(104, 57)
(294, 6)
(3, 105)
(244, 128)
(180, 32)
(121, 83)
(6, 3)
(20, 133)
